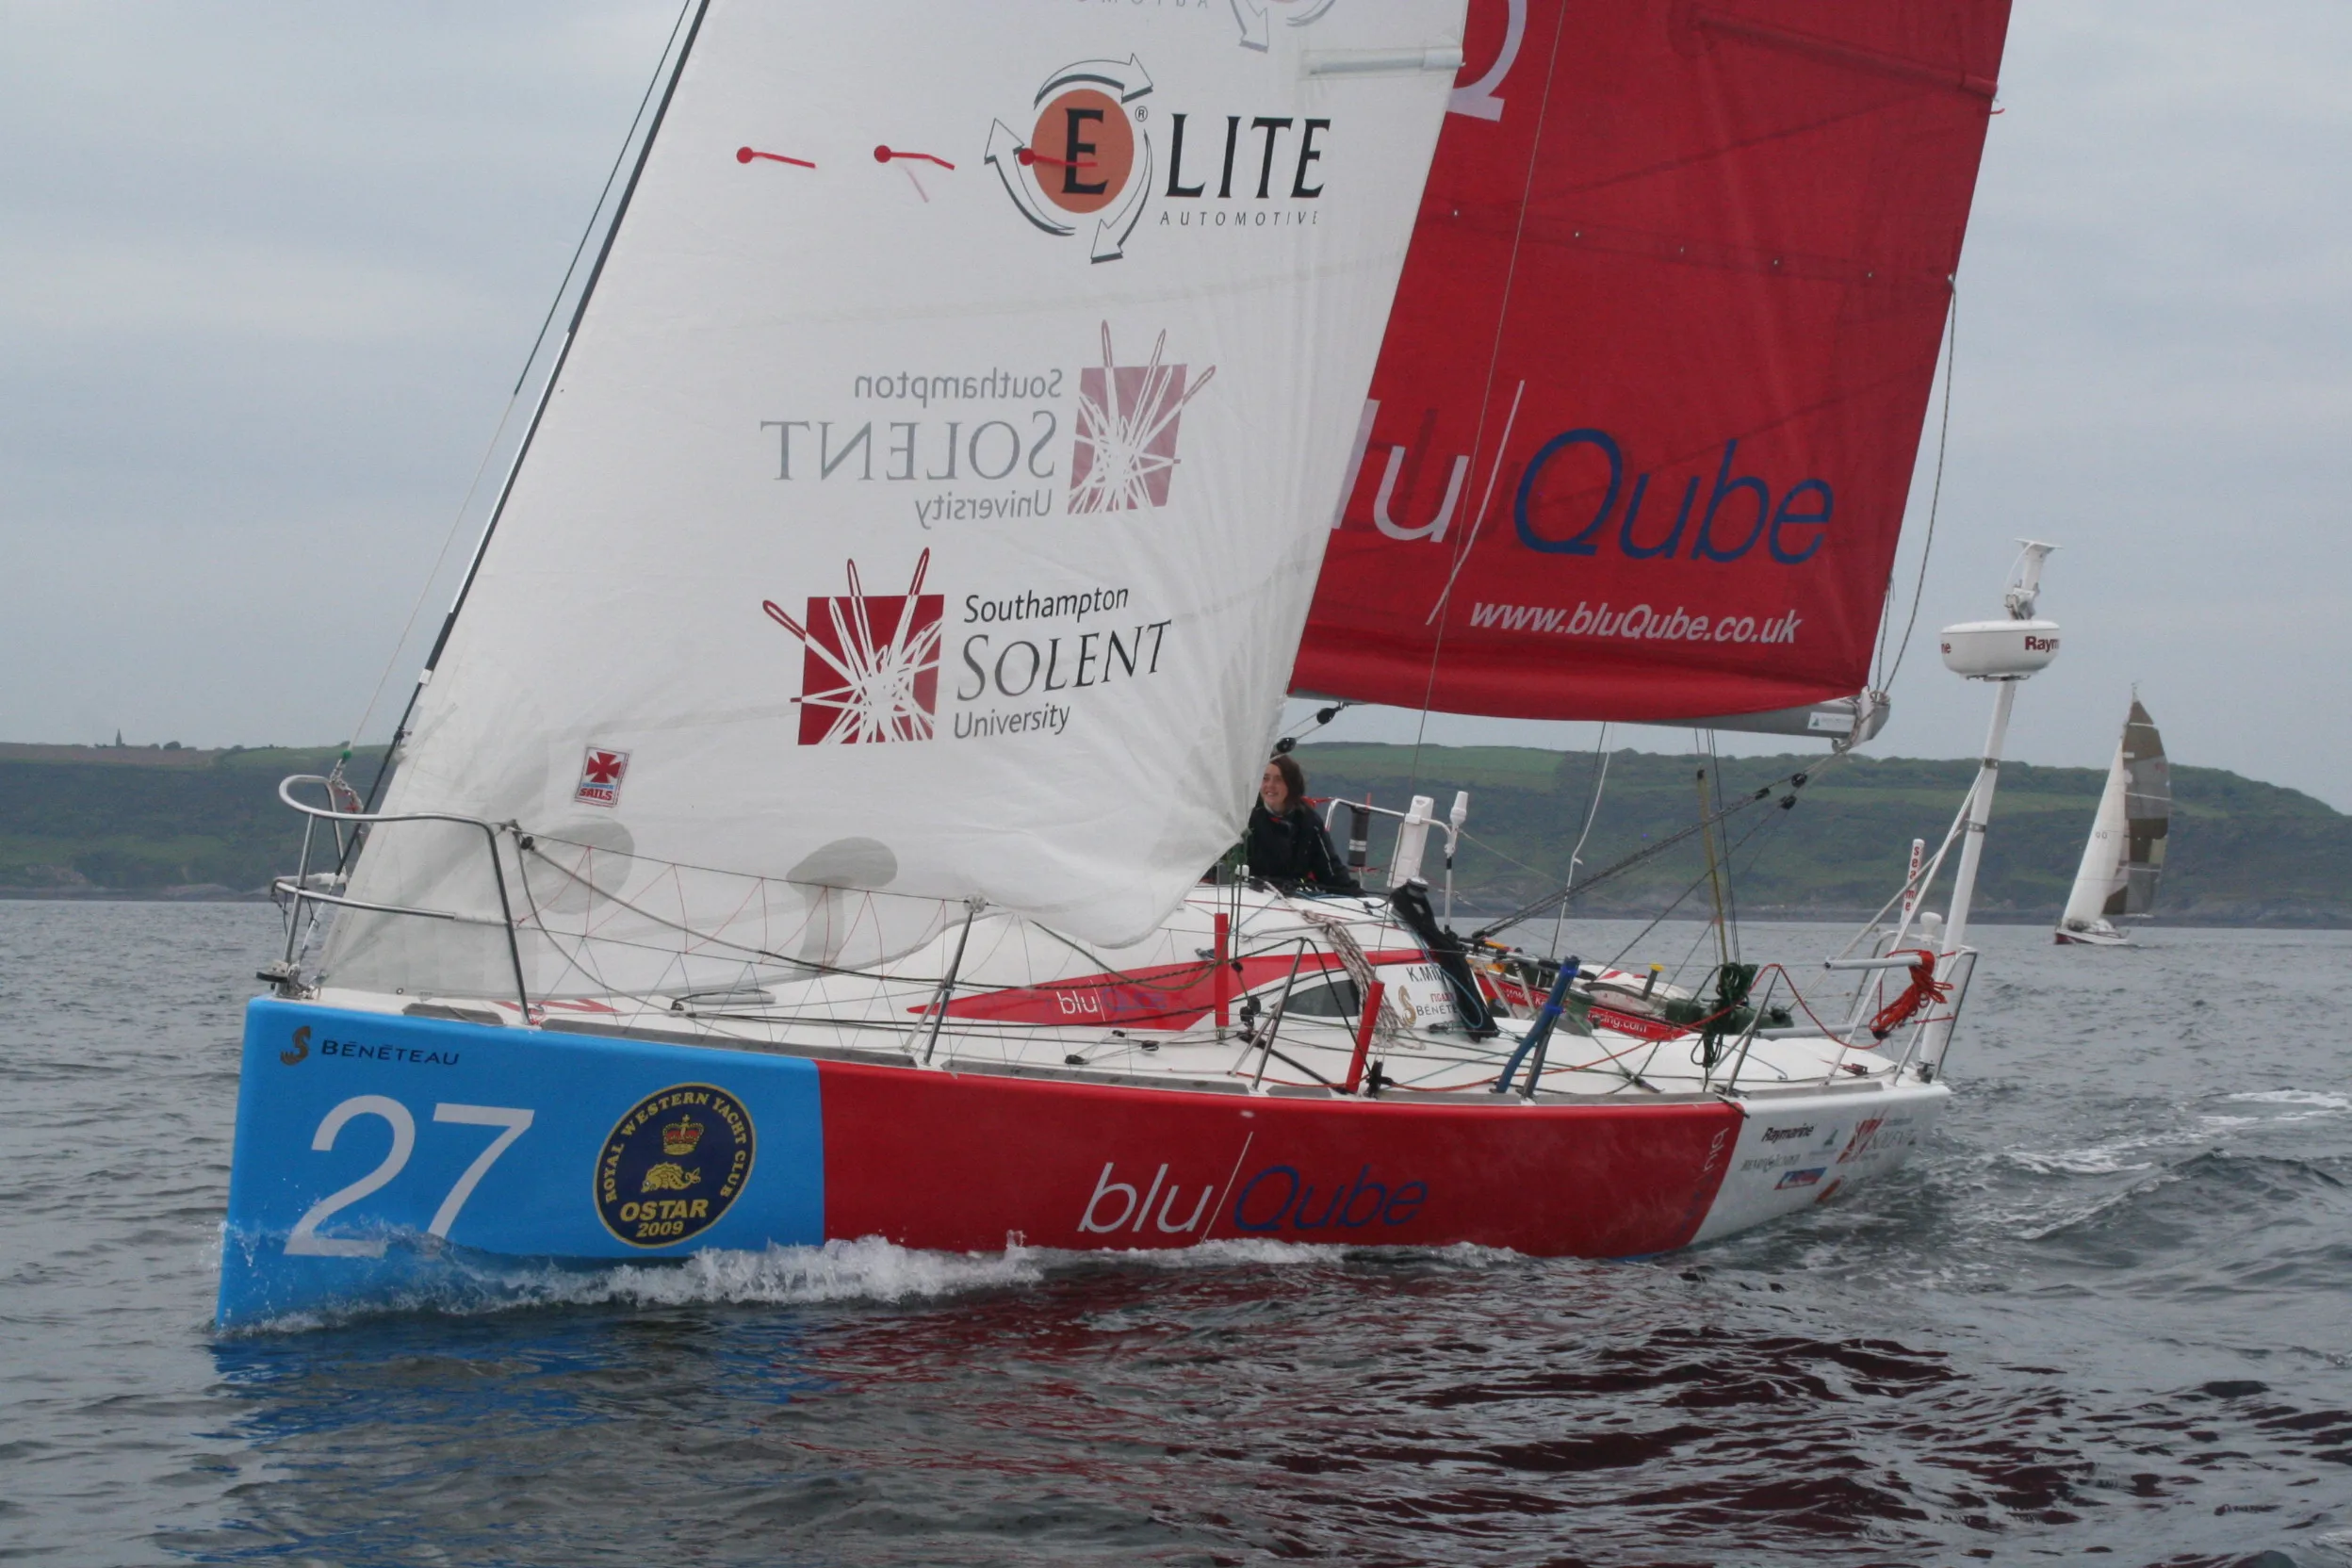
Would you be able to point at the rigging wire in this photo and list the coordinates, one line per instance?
(1936, 496)
(1796, 780)
(1693, 887)
(1592, 813)
(1187, 975)
(1731, 884)
(1322, 716)
(474, 487)
(1494, 359)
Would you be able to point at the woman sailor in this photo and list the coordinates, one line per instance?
(1287, 844)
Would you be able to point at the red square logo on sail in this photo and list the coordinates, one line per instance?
(1127, 421)
(600, 773)
(870, 662)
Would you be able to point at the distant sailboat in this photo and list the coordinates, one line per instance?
(2126, 854)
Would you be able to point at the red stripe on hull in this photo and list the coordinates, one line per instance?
(967, 1163)
(1161, 996)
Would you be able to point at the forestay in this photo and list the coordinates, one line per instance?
(1642, 428)
(932, 490)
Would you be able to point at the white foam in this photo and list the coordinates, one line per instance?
(2108, 1159)
(2099, 1160)
(2295, 1097)
(867, 1269)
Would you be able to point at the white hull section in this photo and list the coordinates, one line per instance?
(1799, 1149)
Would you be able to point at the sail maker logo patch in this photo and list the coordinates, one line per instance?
(870, 662)
(600, 774)
(674, 1165)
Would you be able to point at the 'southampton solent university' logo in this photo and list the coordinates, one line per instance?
(673, 1165)
(1127, 419)
(871, 662)
(1086, 163)
(869, 666)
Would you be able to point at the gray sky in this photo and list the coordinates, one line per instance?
(268, 275)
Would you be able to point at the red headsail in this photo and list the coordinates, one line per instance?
(1645, 419)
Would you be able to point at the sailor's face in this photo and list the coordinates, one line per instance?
(1272, 790)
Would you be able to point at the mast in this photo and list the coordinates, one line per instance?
(2005, 653)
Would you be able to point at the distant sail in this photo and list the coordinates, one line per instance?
(2147, 812)
(931, 492)
(2125, 856)
(1642, 431)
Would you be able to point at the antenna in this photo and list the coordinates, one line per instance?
(2025, 579)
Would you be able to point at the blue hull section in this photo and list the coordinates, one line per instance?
(382, 1158)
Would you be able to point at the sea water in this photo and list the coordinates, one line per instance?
(2104, 1316)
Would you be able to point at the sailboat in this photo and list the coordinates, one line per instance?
(973, 426)
(2125, 856)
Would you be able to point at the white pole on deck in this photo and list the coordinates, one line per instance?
(1980, 812)
(2005, 653)
(1454, 819)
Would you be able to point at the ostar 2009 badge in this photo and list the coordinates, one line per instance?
(673, 1165)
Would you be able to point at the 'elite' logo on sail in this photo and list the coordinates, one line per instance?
(1088, 158)
(870, 662)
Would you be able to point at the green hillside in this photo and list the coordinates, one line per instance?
(2240, 851)
(79, 819)
(83, 821)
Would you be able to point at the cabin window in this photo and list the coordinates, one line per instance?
(1327, 999)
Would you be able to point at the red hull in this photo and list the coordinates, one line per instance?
(967, 1163)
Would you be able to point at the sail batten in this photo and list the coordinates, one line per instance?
(930, 496)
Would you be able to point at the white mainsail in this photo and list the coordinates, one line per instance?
(925, 507)
(2125, 856)
(2101, 876)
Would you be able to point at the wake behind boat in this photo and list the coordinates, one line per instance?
(797, 832)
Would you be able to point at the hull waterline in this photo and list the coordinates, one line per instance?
(385, 1160)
